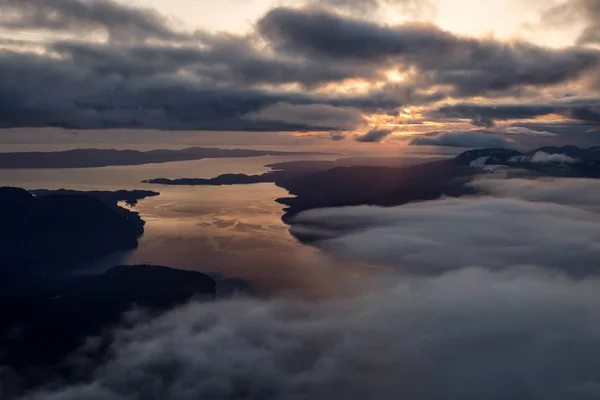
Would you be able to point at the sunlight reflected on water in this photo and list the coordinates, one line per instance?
(235, 231)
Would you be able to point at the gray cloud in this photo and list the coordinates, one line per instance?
(465, 335)
(471, 66)
(581, 110)
(337, 136)
(44, 91)
(494, 112)
(567, 132)
(119, 21)
(224, 59)
(483, 121)
(543, 157)
(374, 135)
(147, 75)
(580, 193)
(318, 115)
(523, 131)
(437, 236)
(467, 139)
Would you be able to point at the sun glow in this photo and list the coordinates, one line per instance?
(351, 86)
(395, 76)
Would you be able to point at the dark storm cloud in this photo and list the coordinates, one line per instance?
(37, 91)
(223, 58)
(211, 84)
(467, 139)
(563, 133)
(374, 135)
(332, 36)
(311, 114)
(493, 112)
(205, 80)
(471, 66)
(119, 21)
(337, 136)
(562, 128)
(586, 111)
(44, 91)
(483, 121)
(583, 113)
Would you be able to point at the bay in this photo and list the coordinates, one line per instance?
(233, 231)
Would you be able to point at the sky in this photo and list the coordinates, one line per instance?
(408, 73)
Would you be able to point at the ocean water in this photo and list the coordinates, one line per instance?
(234, 231)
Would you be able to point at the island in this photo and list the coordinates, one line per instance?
(52, 230)
(224, 179)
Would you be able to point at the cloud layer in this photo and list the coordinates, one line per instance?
(481, 297)
(579, 193)
(104, 64)
(470, 66)
(120, 22)
(542, 157)
(374, 135)
(469, 334)
(432, 237)
(468, 139)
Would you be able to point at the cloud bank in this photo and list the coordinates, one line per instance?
(481, 297)
(119, 21)
(433, 237)
(374, 135)
(468, 139)
(542, 157)
(469, 334)
(579, 193)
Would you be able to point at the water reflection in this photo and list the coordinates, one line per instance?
(232, 230)
(235, 231)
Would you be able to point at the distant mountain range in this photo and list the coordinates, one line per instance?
(88, 158)
(556, 161)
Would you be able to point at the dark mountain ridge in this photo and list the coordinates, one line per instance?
(567, 161)
(88, 158)
(42, 231)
